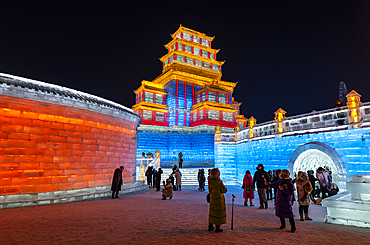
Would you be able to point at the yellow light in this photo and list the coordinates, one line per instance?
(251, 122)
(353, 103)
(279, 116)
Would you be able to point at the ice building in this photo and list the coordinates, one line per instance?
(182, 106)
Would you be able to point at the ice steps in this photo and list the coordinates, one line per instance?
(189, 175)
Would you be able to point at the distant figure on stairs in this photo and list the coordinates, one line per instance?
(180, 160)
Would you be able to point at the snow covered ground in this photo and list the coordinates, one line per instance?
(146, 219)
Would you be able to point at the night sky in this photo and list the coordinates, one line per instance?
(288, 54)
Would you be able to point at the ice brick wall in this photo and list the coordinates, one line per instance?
(57, 142)
(225, 161)
(196, 144)
(48, 147)
(352, 145)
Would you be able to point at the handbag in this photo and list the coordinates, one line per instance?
(209, 197)
(249, 189)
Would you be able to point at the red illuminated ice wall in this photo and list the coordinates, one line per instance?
(46, 147)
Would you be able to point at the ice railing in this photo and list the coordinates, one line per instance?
(143, 164)
(326, 120)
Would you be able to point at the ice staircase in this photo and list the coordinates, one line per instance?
(189, 175)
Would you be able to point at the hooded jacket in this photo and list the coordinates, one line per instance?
(217, 207)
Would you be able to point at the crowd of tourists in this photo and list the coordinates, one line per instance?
(283, 188)
(274, 185)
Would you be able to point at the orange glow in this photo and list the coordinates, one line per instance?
(279, 116)
(47, 147)
(251, 122)
(354, 103)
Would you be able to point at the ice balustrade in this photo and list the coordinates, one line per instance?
(142, 165)
(326, 120)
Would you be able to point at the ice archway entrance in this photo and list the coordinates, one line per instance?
(315, 154)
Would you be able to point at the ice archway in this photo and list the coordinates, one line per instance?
(314, 155)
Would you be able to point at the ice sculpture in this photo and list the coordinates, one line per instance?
(351, 207)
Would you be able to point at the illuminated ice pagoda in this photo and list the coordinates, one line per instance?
(182, 106)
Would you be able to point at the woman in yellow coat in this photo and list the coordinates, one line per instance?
(217, 207)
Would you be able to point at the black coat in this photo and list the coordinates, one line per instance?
(259, 177)
(158, 176)
(117, 180)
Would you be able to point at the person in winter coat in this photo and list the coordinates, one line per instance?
(172, 180)
(154, 177)
(168, 189)
(217, 207)
(284, 199)
(180, 160)
(158, 179)
(312, 180)
(148, 174)
(324, 180)
(248, 188)
(269, 190)
(260, 176)
(275, 178)
(304, 189)
(116, 182)
(178, 179)
(201, 179)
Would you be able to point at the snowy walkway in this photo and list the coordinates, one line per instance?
(145, 219)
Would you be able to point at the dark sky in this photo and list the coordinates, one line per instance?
(288, 54)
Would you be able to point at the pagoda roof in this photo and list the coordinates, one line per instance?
(192, 32)
(150, 86)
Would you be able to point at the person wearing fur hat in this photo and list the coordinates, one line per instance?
(168, 189)
(217, 207)
(304, 189)
(284, 194)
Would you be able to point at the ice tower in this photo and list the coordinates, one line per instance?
(181, 107)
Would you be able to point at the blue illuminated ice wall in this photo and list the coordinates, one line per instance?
(352, 146)
(225, 161)
(196, 145)
(175, 98)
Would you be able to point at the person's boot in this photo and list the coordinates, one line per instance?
(251, 203)
(218, 229)
(179, 187)
(266, 205)
(245, 203)
(301, 215)
(210, 227)
(306, 217)
(292, 225)
(112, 195)
(261, 205)
(282, 221)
